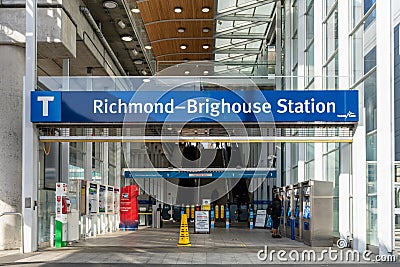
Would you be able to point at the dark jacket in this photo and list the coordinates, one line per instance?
(276, 207)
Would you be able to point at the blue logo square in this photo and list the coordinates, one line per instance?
(45, 106)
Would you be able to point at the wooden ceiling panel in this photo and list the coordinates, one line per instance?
(162, 23)
(193, 29)
(157, 10)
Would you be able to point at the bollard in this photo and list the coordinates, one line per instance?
(292, 235)
(212, 223)
(251, 217)
(227, 225)
(216, 212)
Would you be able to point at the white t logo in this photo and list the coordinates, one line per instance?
(45, 100)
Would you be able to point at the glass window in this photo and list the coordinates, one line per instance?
(358, 55)
(332, 74)
(372, 231)
(331, 31)
(370, 102)
(310, 24)
(310, 64)
(328, 5)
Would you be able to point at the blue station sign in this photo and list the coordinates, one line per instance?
(194, 106)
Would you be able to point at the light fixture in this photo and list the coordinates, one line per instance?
(138, 62)
(181, 30)
(135, 52)
(185, 60)
(146, 80)
(206, 46)
(205, 9)
(205, 29)
(205, 72)
(187, 72)
(148, 47)
(183, 47)
(110, 4)
(135, 10)
(126, 38)
(121, 24)
(178, 9)
(144, 72)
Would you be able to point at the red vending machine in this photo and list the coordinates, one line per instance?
(129, 208)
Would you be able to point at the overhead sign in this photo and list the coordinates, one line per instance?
(195, 106)
(184, 174)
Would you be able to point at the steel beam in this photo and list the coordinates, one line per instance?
(234, 10)
(249, 36)
(238, 28)
(254, 18)
(198, 139)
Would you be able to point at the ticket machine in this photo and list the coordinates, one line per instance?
(282, 226)
(317, 201)
(288, 209)
(298, 211)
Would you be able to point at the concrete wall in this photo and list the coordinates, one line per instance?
(11, 82)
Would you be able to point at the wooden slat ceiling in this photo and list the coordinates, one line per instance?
(162, 23)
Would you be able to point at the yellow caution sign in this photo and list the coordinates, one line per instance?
(184, 232)
(222, 211)
(216, 212)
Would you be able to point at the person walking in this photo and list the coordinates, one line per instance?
(276, 215)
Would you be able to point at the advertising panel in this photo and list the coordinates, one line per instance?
(129, 207)
(116, 200)
(93, 202)
(102, 198)
(110, 199)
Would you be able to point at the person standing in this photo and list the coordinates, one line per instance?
(276, 215)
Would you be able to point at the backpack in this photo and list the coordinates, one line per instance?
(270, 209)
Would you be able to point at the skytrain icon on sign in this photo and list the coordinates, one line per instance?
(348, 115)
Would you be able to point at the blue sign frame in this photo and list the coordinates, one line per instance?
(195, 106)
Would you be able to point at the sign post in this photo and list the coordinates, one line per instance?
(61, 215)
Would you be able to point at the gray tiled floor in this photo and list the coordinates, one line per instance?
(158, 246)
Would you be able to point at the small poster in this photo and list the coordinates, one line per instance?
(83, 198)
(93, 198)
(102, 198)
(110, 199)
(260, 218)
(201, 222)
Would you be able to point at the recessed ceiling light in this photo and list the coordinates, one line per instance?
(135, 10)
(148, 47)
(205, 72)
(206, 46)
(181, 30)
(144, 72)
(178, 9)
(205, 29)
(146, 80)
(183, 47)
(126, 38)
(121, 24)
(185, 60)
(138, 62)
(135, 52)
(187, 72)
(110, 4)
(205, 9)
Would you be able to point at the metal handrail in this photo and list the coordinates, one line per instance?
(22, 227)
